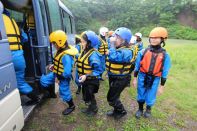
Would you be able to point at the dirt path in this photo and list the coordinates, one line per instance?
(48, 115)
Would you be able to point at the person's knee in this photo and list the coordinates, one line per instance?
(150, 102)
(25, 90)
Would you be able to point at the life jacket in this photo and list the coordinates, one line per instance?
(152, 62)
(58, 65)
(103, 47)
(30, 22)
(135, 52)
(12, 32)
(83, 64)
(119, 68)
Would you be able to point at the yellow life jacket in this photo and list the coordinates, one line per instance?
(83, 64)
(103, 47)
(12, 32)
(58, 65)
(119, 68)
(30, 21)
(135, 50)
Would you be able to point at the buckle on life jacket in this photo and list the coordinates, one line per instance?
(91, 77)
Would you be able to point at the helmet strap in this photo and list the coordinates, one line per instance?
(88, 45)
(103, 37)
(163, 42)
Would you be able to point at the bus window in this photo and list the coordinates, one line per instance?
(67, 23)
(73, 25)
(54, 15)
(17, 16)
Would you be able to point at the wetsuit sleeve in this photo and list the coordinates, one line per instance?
(67, 61)
(123, 55)
(166, 68)
(137, 63)
(95, 63)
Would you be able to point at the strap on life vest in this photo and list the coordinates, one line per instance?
(14, 35)
(82, 61)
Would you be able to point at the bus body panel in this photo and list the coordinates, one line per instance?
(8, 79)
(12, 112)
(4, 52)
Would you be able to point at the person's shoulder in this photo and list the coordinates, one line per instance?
(67, 56)
(96, 53)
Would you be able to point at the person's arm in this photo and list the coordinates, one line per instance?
(123, 55)
(95, 63)
(24, 37)
(137, 68)
(137, 63)
(166, 68)
(67, 61)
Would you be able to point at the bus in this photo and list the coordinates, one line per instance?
(38, 18)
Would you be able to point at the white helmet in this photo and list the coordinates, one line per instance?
(103, 31)
(133, 40)
(138, 34)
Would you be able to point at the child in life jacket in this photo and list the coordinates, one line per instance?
(151, 68)
(89, 71)
(62, 69)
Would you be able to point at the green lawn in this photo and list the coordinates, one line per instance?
(176, 109)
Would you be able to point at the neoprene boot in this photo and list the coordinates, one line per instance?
(70, 109)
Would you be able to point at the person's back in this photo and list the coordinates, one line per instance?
(118, 65)
(14, 38)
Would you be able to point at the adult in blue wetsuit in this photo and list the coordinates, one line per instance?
(62, 68)
(151, 68)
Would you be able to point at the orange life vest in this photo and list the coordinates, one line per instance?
(152, 62)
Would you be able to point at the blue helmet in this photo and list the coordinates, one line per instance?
(124, 33)
(93, 38)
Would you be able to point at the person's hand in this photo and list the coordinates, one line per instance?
(51, 67)
(57, 81)
(82, 78)
(160, 90)
(112, 39)
(107, 52)
(134, 82)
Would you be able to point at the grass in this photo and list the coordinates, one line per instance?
(175, 110)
